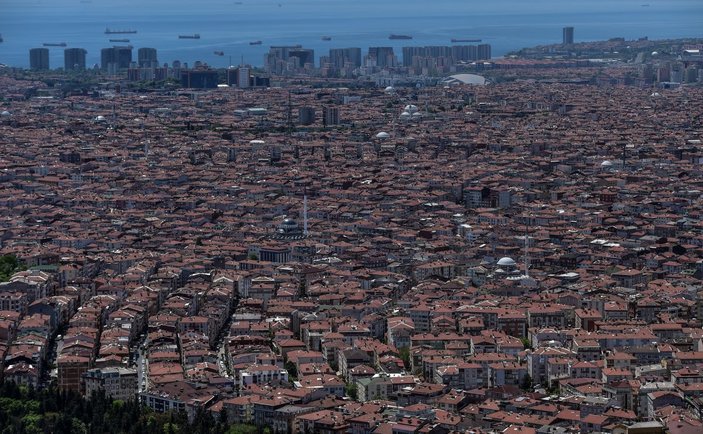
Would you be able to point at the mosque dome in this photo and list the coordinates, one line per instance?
(100, 118)
(410, 108)
(506, 262)
(383, 135)
(288, 229)
(606, 163)
(5, 113)
(289, 223)
(389, 89)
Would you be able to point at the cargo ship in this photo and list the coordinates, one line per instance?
(255, 43)
(108, 31)
(195, 36)
(399, 37)
(465, 40)
(119, 40)
(54, 44)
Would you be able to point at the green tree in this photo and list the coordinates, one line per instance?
(292, 370)
(352, 391)
(405, 356)
(9, 264)
(242, 429)
(24, 410)
(526, 383)
(301, 289)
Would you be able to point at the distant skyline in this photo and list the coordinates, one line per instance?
(229, 26)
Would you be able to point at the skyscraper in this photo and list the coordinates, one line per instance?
(567, 35)
(39, 58)
(115, 58)
(330, 116)
(280, 58)
(243, 77)
(306, 115)
(484, 52)
(341, 56)
(383, 56)
(146, 57)
(74, 59)
(304, 56)
(199, 78)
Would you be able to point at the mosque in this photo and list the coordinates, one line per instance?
(289, 228)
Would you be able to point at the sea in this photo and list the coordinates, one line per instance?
(229, 26)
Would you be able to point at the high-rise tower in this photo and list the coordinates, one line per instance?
(146, 57)
(39, 58)
(567, 35)
(74, 59)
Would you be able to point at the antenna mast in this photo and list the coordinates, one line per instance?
(305, 212)
(527, 256)
(289, 120)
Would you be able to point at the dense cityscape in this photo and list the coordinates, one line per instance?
(432, 241)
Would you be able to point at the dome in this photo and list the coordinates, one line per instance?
(405, 115)
(410, 108)
(389, 89)
(472, 79)
(288, 229)
(417, 115)
(256, 142)
(383, 135)
(5, 113)
(289, 223)
(100, 118)
(375, 283)
(506, 262)
(606, 163)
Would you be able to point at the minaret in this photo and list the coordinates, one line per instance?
(305, 213)
(527, 257)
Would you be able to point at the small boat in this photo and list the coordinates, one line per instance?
(255, 43)
(119, 40)
(109, 31)
(326, 38)
(465, 40)
(53, 44)
(392, 36)
(194, 36)
(219, 53)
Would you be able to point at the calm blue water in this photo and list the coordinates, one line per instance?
(229, 27)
